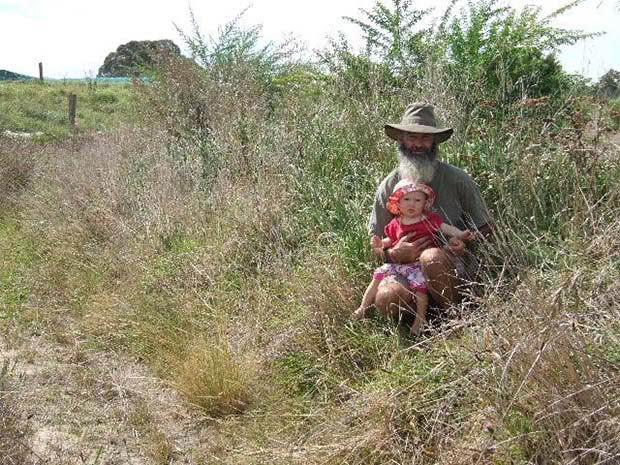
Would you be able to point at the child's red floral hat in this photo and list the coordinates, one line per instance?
(405, 186)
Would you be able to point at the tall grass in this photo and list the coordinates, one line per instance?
(227, 251)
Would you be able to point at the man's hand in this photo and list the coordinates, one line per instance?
(456, 246)
(467, 235)
(407, 252)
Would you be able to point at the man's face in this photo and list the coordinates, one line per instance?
(417, 154)
(417, 144)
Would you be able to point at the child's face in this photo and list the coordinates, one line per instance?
(412, 204)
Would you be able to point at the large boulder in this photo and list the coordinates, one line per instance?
(131, 58)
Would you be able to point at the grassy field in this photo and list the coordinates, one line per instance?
(42, 108)
(178, 274)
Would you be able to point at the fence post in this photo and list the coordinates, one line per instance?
(72, 104)
(41, 71)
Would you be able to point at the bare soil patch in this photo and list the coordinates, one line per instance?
(82, 406)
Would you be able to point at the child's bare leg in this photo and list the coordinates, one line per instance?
(421, 302)
(368, 300)
(394, 297)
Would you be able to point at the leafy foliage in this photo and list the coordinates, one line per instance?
(391, 37)
(609, 84)
(236, 44)
(485, 54)
(495, 54)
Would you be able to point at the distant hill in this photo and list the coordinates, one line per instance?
(10, 76)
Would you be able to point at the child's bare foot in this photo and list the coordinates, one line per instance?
(417, 327)
(360, 313)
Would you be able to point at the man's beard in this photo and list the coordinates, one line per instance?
(419, 166)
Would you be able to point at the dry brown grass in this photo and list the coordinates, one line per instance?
(16, 170)
(214, 379)
(548, 384)
(152, 280)
(14, 429)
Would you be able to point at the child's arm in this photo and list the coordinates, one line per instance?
(377, 243)
(456, 232)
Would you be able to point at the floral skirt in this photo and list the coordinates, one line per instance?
(412, 272)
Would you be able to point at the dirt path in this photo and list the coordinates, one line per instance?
(85, 407)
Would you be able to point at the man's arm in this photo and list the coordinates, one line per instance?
(380, 216)
(477, 216)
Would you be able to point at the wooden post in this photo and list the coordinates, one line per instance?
(41, 71)
(72, 104)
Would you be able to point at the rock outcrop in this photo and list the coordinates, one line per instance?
(131, 58)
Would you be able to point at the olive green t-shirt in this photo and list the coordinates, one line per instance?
(458, 200)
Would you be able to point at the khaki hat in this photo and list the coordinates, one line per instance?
(419, 118)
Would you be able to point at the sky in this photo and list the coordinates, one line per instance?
(72, 37)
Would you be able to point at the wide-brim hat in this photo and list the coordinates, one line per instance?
(405, 186)
(419, 118)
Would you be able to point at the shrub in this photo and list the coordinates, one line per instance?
(391, 38)
(608, 85)
(493, 55)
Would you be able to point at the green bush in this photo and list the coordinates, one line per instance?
(494, 55)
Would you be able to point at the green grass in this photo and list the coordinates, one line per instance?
(35, 107)
(20, 257)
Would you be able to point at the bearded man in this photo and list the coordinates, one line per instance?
(458, 201)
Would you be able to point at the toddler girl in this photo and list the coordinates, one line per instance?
(412, 203)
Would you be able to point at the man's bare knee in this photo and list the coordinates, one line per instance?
(434, 260)
(439, 269)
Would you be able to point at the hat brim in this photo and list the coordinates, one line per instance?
(394, 131)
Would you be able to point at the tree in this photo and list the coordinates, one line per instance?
(354, 75)
(391, 36)
(498, 54)
(609, 84)
(236, 44)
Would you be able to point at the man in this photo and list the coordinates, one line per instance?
(458, 201)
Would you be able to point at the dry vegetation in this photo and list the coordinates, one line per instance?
(178, 289)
